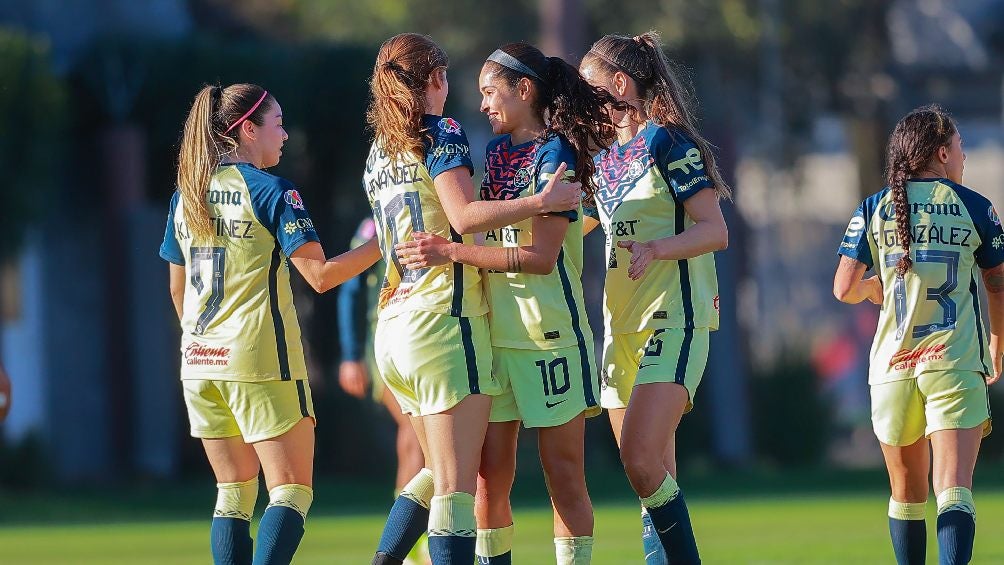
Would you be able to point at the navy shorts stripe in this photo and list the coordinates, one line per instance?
(457, 306)
(573, 310)
(470, 354)
(681, 363)
(273, 300)
(301, 395)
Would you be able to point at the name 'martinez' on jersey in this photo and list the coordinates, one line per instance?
(641, 188)
(403, 197)
(935, 320)
(239, 322)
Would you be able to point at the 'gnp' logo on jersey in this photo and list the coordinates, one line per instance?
(449, 125)
(855, 226)
(292, 198)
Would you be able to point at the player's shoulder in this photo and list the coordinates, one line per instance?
(968, 195)
(666, 138)
(263, 182)
(876, 201)
(443, 127)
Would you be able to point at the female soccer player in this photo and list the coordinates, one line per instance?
(547, 118)
(357, 301)
(432, 340)
(930, 360)
(230, 228)
(657, 199)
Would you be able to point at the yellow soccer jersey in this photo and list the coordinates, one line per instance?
(404, 200)
(238, 321)
(931, 319)
(641, 188)
(533, 311)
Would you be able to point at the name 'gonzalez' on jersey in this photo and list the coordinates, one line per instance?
(640, 190)
(238, 321)
(936, 321)
(534, 311)
(404, 200)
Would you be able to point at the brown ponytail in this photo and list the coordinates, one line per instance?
(404, 66)
(912, 144)
(206, 140)
(666, 99)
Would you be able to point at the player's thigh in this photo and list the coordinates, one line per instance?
(616, 416)
(551, 386)
(232, 460)
(908, 467)
(455, 437)
(898, 412)
(651, 419)
(562, 454)
(289, 458)
(431, 362)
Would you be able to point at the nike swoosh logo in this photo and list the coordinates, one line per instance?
(552, 405)
(643, 365)
(647, 555)
(667, 529)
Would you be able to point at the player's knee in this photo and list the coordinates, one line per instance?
(639, 465)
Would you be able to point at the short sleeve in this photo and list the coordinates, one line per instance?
(990, 253)
(555, 152)
(855, 242)
(281, 210)
(448, 149)
(170, 249)
(681, 164)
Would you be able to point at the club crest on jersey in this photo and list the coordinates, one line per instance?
(292, 198)
(449, 125)
(522, 178)
(635, 170)
(993, 216)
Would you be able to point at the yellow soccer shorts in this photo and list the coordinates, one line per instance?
(255, 411)
(430, 361)
(904, 411)
(672, 355)
(545, 388)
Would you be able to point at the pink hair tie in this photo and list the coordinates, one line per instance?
(245, 116)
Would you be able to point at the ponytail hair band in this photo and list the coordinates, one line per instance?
(248, 114)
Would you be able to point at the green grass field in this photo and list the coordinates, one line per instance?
(839, 527)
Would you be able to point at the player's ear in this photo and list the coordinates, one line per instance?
(943, 154)
(620, 83)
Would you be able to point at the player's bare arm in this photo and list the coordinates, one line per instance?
(993, 279)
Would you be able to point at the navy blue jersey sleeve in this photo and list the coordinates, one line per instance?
(279, 207)
(680, 162)
(448, 149)
(855, 241)
(990, 253)
(170, 250)
(553, 153)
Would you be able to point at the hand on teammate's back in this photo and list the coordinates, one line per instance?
(558, 195)
(423, 250)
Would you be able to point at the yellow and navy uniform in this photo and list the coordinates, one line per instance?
(657, 327)
(431, 320)
(542, 344)
(238, 320)
(931, 338)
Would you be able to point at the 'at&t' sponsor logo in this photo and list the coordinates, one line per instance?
(910, 358)
(201, 354)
